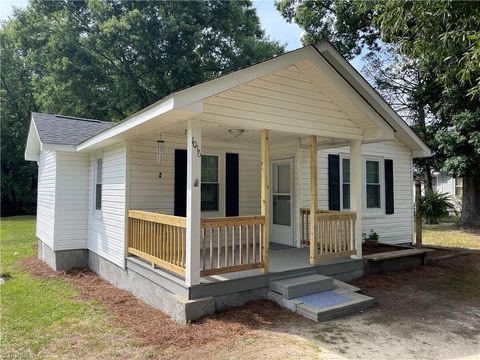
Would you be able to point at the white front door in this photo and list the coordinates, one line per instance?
(282, 202)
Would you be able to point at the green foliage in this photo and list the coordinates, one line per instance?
(461, 142)
(444, 36)
(108, 59)
(372, 235)
(346, 24)
(435, 206)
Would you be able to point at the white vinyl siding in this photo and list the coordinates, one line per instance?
(106, 233)
(395, 228)
(150, 193)
(46, 197)
(72, 201)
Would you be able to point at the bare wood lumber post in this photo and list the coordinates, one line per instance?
(313, 202)
(418, 215)
(265, 195)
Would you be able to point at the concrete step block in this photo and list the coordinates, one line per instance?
(295, 287)
(354, 302)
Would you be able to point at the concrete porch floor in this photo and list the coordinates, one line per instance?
(281, 259)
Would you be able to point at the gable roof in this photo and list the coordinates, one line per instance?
(190, 101)
(66, 130)
(59, 132)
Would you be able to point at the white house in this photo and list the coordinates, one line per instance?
(275, 168)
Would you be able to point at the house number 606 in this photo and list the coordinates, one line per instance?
(195, 146)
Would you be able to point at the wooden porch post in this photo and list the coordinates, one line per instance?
(356, 191)
(313, 202)
(194, 162)
(265, 195)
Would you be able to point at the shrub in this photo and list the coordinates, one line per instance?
(435, 206)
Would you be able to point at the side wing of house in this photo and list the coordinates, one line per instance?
(107, 203)
(47, 172)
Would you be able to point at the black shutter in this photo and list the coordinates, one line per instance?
(389, 202)
(333, 182)
(231, 184)
(180, 201)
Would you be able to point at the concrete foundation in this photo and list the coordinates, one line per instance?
(169, 293)
(178, 307)
(63, 259)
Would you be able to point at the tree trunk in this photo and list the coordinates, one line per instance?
(470, 217)
(428, 178)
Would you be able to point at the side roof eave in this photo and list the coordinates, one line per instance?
(351, 75)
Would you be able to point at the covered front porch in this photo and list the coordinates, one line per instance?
(250, 139)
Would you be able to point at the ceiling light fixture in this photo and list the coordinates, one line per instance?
(236, 132)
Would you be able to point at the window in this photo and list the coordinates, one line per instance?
(210, 183)
(345, 183)
(373, 184)
(458, 187)
(98, 184)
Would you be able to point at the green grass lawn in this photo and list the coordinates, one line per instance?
(42, 318)
(448, 235)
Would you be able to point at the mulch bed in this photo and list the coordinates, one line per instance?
(153, 326)
(380, 248)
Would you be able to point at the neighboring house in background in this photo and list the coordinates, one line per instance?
(443, 183)
(270, 171)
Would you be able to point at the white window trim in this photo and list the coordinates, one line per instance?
(342, 157)
(97, 213)
(221, 184)
(373, 212)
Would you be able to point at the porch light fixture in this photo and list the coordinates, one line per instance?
(236, 132)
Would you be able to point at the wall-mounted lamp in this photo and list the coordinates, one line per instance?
(236, 132)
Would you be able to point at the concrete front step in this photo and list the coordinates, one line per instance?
(336, 300)
(351, 302)
(302, 285)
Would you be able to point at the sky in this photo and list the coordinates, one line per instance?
(275, 26)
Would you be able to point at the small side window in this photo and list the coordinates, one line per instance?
(373, 184)
(98, 184)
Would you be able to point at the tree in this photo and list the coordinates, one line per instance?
(409, 92)
(442, 39)
(108, 59)
(345, 24)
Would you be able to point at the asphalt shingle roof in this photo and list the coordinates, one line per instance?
(66, 130)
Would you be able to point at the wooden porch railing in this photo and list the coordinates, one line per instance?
(227, 244)
(158, 238)
(336, 232)
(231, 244)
